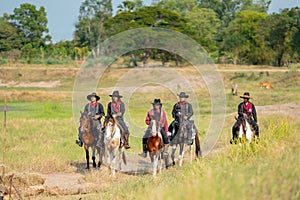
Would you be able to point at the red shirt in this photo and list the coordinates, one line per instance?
(163, 119)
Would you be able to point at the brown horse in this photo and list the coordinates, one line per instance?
(89, 140)
(155, 146)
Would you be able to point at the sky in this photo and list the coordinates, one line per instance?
(63, 14)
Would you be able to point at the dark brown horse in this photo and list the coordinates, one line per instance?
(155, 146)
(181, 139)
(89, 140)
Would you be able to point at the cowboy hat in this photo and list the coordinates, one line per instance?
(93, 95)
(157, 101)
(246, 95)
(115, 94)
(182, 94)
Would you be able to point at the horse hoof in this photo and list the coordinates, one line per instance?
(94, 165)
(99, 164)
(173, 163)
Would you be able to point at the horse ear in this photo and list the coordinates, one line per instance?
(80, 112)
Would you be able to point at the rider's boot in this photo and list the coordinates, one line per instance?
(79, 142)
(144, 154)
(126, 141)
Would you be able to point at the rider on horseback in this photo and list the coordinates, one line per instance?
(159, 115)
(97, 112)
(116, 110)
(182, 112)
(246, 109)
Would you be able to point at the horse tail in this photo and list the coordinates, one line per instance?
(198, 148)
(124, 158)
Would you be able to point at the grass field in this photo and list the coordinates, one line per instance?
(41, 133)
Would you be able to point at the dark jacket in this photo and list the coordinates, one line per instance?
(111, 111)
(97, 110)
(182, 109)
(250, 114)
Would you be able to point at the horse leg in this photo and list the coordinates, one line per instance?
(99, 151)
(173, 153)
(94, 157)
(113, 162)
(181, 153)
(87, 156)
(191, 153)
(155, 164)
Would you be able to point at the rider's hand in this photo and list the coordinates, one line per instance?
(114, 115)
(97, 116)
(245, 115)
(185, 117)
(169, 133)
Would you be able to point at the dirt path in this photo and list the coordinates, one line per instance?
(81, 182)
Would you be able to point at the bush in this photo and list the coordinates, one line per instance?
(3, 61)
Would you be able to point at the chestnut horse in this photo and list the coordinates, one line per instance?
(89, 139)
(112, 140)
(155, 146)
(180, 139)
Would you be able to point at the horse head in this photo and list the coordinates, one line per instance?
(84, 121)
(154, 127)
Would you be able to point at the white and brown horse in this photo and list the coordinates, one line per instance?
(245, 131)
(155, 147)
(112, 139)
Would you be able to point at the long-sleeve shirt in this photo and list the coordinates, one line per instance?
(249, 109)
(160, 116)
(95, 109)
(184, 108)
(118, 108)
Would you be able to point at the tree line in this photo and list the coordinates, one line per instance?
(231, 31)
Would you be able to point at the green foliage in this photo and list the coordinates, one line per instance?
(89, 28)
(9, 38)
(240, 38)
(31, 24)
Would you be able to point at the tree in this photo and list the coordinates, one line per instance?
(130, 5)
(31, 24)
(280, 31)
(182, 7)
(89, 28)
(9, 38)
(204, 23)
(149, 16)
(240, 38)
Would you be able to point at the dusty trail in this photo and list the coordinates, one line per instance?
(77, 183)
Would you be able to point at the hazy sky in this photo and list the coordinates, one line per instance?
(62, 14)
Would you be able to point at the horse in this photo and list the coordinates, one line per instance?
(245, 131)
(180, 139)
(112, 140)
(155, 146)
(89, 141)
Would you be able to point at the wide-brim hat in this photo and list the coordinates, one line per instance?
(93, 95)
(115, 94)
(157, 102)
(182, 94)
(246, 95)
